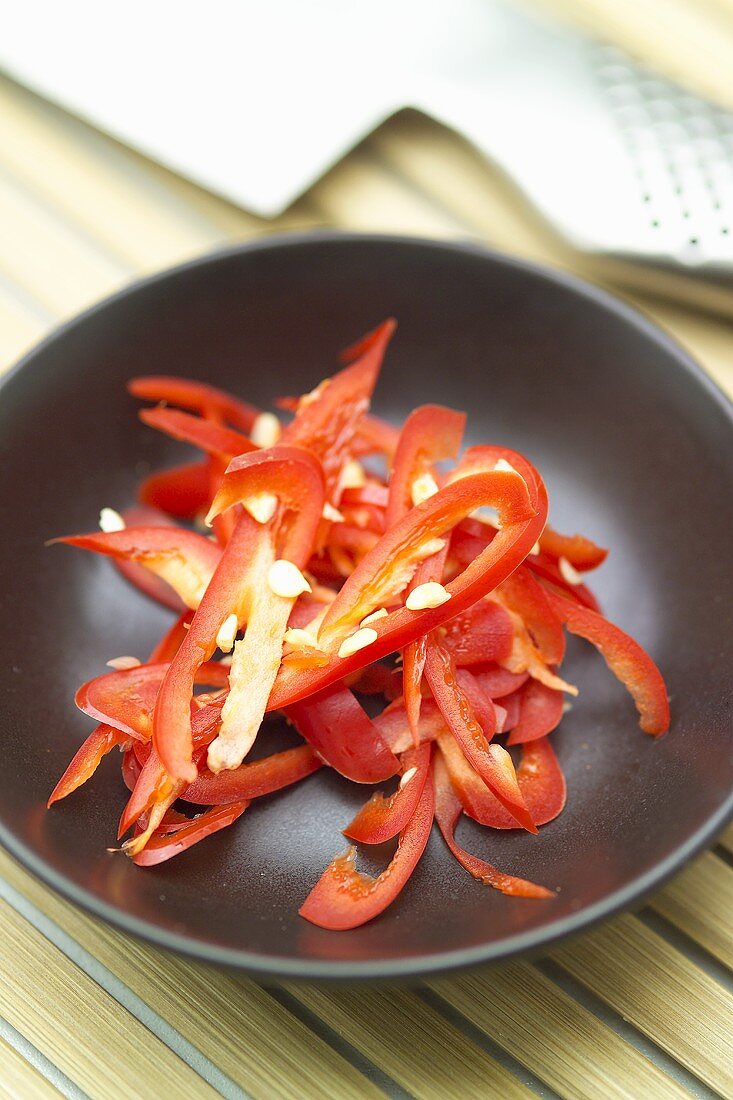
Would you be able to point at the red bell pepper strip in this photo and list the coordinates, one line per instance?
(125, 698)
(447, 811)
(212, 438)
(341, 732)
(131, 768)
(239, 587)
(382, 818)
(196, 396)
(137, 575)
(540, 711)
(498, 560)
(170, 643)
(182, 491)
(498, 682)
(387, 568)
(547, 570)
(344, 898)
(482, 633)
(260, 777)
(86, 760)
(626, 660)
(184, 560)
(492, 762)
(393, 726)
(325, 423)
(163, 847)
(431, 433)
(525, 596)
(579, 551)
(511, 704)
(539, 775)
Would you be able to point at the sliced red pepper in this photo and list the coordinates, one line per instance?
(163, 847)
(212, 438)
(511, 704)
(125, 698)
(447, 811)
(525, 596)
(172, 640)
(482, 633)
(626, 660)
(182, 491)
(196, 396)
(431, 433)
(540, 711)
(382, 818)
(498, 682)
(492, 762)
(184, 560)
(376, 574)
(344, 898)
(253, 780)
(326, 421)
(539, 775)
(579, 551)
(86, 760)
(131, 768)
(393, 725)
(342, 733)
(239, 587)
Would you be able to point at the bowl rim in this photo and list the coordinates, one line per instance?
(264, 966)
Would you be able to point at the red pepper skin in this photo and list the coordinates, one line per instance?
(394, 728)
(382, 818)
(522, 523)
(196, 396)
(540, 779)
(525, 596)
(482, 633)
(253, 780)
(131, 768)
(86, 761)
(343, 898)
(540, 712)
(172, 640)
(431, 433)
(211, 438)
(579, 551)
(149, 584)
(342, 733)
(447, 811)
(491, 762)
(511, 704)
(125, 698)
(365, 343)
(326, 424)
(163, 847)
(499, 682)
(185, 560)
(182, 491)
(547, 570)
(626, 660)
(239, 582)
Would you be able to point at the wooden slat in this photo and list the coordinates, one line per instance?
(563, 1044)
(412, 1042)
(21, 1081)
(236, 1024)
(50, 261)
(75, 1024)
(726, 839)
(700, 903)
(661, 992)
(361, 194)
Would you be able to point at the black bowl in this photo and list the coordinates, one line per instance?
(636, 447)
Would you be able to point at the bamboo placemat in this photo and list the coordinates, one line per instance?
(641, 1007)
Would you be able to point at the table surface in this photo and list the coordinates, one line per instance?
(640, 1007)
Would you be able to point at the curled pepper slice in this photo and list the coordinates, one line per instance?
(447, 811)
(197, 396)
(382, 818)
(344, 898)
(626, 659)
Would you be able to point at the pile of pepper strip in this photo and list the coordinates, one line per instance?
(303, 582)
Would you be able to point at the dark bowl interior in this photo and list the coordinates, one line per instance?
(635, 445)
